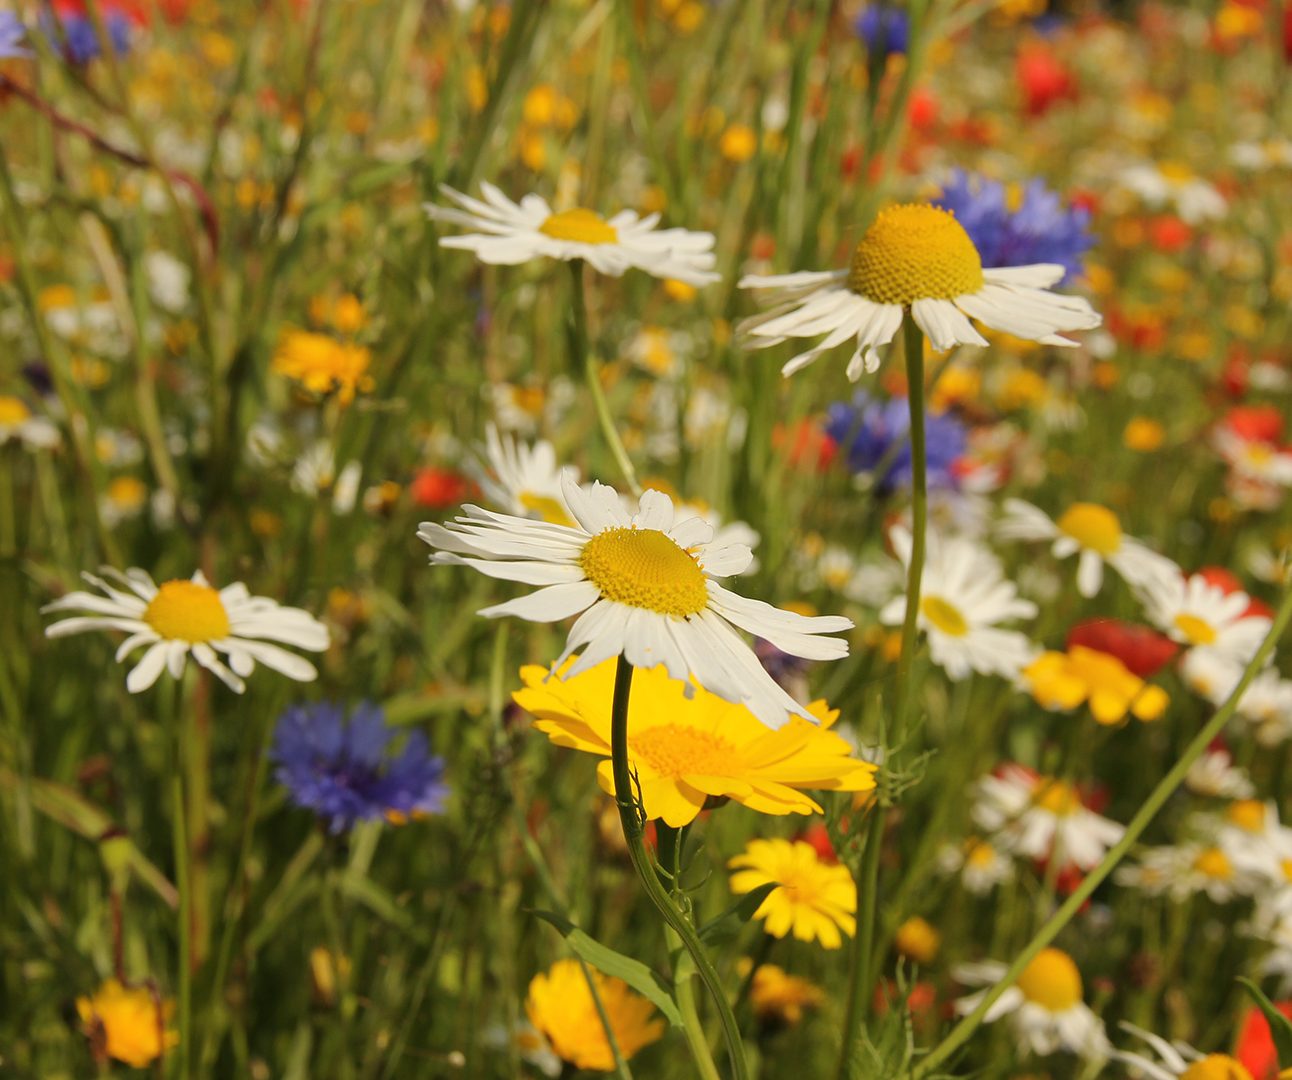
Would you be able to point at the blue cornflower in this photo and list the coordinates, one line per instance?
(873, 435)
(341, 769)
(12, 32)
(883, 29)
(1039, 230)
(82, 41)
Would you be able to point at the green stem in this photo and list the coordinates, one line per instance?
(684, 991)
(1146, 813)
(633, 822)
(185, 925)
(581, 352)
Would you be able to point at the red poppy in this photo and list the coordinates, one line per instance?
(923, 109)
(1259, 423)
(1255, 1049)
(807, 445)
(1169, 234)
(1143, 650)
(819, 837)
(436, 489)
(1043, 79)
(137, 11)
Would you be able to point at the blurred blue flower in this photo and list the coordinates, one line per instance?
(873, 435)
(883, 29)
(82, 42)
(1038, 230)
(12, 32)
(341, 769)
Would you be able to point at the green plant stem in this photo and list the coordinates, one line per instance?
(185, 925)
(1143, 816)
(581, 353)
(632, 820)
(684, 992)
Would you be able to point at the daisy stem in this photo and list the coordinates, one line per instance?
(1143, 816)
(581, 353)
(633, 822)
(185, 925)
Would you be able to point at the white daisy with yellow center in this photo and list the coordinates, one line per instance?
(179, 618)
(509, 233)
(980, 863)
(1094, 534)
(18, 422)
(646, 585)
(1173, 185)
(1179, 1061)
(1045, 1006)
(1042, 817)
(914, 260)
(1254, 460)
(1201, 615)
(963, 595)
(1181, 871)
(521, 478)
(1215, 776)
(1268, 857)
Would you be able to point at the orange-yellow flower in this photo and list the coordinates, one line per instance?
(1065, 680)
(816, 900)
(323, 365)
(127, 1024)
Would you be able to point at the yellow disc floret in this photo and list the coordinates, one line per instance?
(1214, 863)
(1060, 799)
(1092, 526)
(945, 616)
(1051, 981)
(187, 611)
(579, 226)
(1216, 1067)
(550, 509)
(13, 411)
(1247, 814)
(644, 568)
(1197, 631)
(915, 252)
(676, 750)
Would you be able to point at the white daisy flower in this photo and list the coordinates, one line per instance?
(1044, 1006)
(1094, 534)
(1259, 156)
(1181, 871)
(1253, 460)
(1274, 927)
(509, 233)
(1270, 860)
(1266, 708)
(1040, 817)
(181, 617)
(1175, 186)
(646, 585)
(1215, 776)
(981, 865)
(963, 594)
(1178, 1059)
(918, 260)
(18, 422)
(522, 479)
(1199, 614)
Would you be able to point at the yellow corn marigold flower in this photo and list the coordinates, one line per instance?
(687, 747)
(560, 1005)
(1143, 435)
(816, 900)
(780, 997)
(1064, 681)
(738, 143)
(127, 1024)
(918, 940)
(323, 365)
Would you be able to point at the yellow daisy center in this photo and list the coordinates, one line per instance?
(1092, 526)
(946, 617)
(127, 492)
(644, 568)
(674, 751)
(546, 507)
(1247, 814)
(1060, 799)
(915, 252)
(1175, 171)
(187, 611)
(1213, 863)
(579, 226)
(1051, 981)
(1286, 866)
(980, 855)
(1216, 1067)
(12, 410)
(1198, 631)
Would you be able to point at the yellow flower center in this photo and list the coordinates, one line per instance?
(1060, 799)
(1213, 863)
(1198, 631)
(1216, 1067)
(675, 751)
(127, 492)
(1175, 171)
(979, 854)
(1247, 814)
(579, 226)
(1092, 526)
(946, 617)
(1051, 981)
(187, 611)
(1258, 453)
(545, 506)
(644, 568)
(915, 252)
(12, 410)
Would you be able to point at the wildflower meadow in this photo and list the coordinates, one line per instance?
(734, 539)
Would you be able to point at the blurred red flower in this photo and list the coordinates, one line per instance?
(1142, 649)
(436, 489)
(1258, 423)
(1043, 79)
(806, 444)
(1255, 1048)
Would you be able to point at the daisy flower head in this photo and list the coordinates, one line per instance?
(1045, 1006)
(178, 618)
(963, 595)
(686, 745)
(507, 233)
(1066, 680)
(1173, 185)
(1040, 817)
(1181, 871)
(18, 422)
(1214, 775)
(1200, 614)
(1093, 533)
(815, 900)
(914, 260)
(522, 479)
(645, 587)
(981, 865)
(1178, 1060)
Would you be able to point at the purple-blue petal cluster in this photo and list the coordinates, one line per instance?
(873, 435)
(343, 770)
(884, 29)
(12, 33)
(1039, 230)
(82, 44)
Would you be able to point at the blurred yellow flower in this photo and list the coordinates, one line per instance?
(738, 143)
(780, 997)
(816, 900)
(127, 1024)
(1143, 435)
(918, 940)
(1065, 680)
(323, 365)
(560, 1005)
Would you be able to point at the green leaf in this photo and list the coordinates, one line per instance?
(1280, 1025)
(636, 974)
(728, 924)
